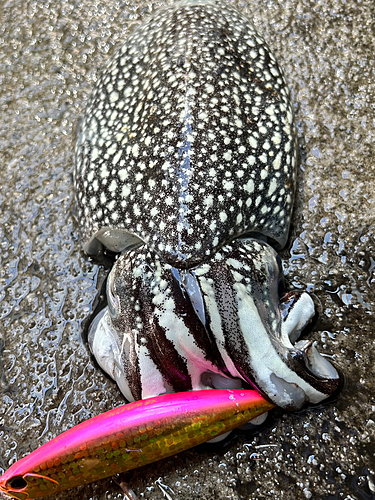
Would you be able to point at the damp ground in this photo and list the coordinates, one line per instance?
(49, 59)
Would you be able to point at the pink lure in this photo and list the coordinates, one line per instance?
(128, 437)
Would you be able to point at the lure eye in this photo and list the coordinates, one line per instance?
(17, 483)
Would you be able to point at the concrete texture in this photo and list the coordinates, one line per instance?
(49, 59)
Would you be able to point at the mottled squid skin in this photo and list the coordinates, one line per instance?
(130, 436)
(186, 166)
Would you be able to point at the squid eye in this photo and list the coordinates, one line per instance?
(111, 300)
(17, 483)
(281, 285)
(279, 264)
(189, 284)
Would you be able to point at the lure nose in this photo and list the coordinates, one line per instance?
(3, 488)
(12, 488)
(27, 486)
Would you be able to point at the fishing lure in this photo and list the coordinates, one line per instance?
(130, 436)
(186, 165)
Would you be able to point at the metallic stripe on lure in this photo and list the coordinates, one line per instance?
(130, 436)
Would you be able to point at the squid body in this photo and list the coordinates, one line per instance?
(186, 167)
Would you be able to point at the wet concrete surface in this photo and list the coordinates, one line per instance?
(49, 59)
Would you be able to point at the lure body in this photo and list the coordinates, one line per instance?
(130, 436)
(186, 166)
